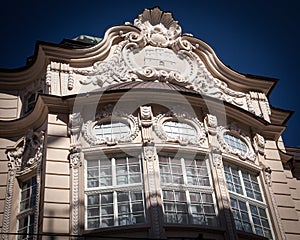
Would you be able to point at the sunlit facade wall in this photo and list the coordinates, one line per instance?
(144, 134)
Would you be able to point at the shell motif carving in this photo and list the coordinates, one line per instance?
(156, 52)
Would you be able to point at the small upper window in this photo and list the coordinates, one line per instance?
(235, 142)
(111, 130)
(176, 129)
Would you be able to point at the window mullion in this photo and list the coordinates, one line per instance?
(250, 217)
(114, 173)
(116, 212)
(242, 183)
(183, 171)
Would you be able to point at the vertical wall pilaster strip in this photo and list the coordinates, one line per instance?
(268, 172)
(150, 163)
(9, 195)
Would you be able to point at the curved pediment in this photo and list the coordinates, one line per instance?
(153, 48)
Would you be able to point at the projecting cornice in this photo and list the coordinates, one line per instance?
(54, 104)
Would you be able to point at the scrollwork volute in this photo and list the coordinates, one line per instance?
(155, 51)
(27, 153)
(107, 114)
(233, 129)
(181, 116)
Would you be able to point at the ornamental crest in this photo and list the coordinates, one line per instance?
(156, 51)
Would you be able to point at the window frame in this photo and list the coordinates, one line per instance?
(247, 199)
(114, 189)
(198, 139)
(30, 211)
(189, 189)
(92, 139)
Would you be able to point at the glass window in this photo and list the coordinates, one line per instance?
(111, 130)
(248, 209)
(179, 130)
(27, 206)
(191, 200)
(114, 193)
(235, 142)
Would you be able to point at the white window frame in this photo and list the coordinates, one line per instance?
(115, 188)
(189, 188)
(249, 200)
(28, 212)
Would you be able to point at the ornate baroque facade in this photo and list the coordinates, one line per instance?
(143, 134)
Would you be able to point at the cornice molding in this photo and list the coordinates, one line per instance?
(54, 104)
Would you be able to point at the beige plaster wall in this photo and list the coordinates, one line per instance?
(56, 207)
(285, 191)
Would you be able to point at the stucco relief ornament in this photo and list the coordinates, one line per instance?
(27, 153)
(235, 131)
(108, 114)
(181, 116)
(156, 51)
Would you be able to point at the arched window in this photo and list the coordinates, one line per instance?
(235, 143)
(111, 130)
(175, 129)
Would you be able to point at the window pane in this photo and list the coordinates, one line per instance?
(179, 130)
(235, 142)
(113, 130)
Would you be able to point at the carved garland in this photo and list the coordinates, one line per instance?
(221, 131)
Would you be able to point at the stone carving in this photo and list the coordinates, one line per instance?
(110, 116)
(75, 159)
(74, 127)
(211, 124)
(159, 28)
(184, 117)
(146, 123)
(75, 163)
(25, 156)
(259, 143)
(70, 80)
(157, 52)
(27, 152)
(233, 129)
(268, 172)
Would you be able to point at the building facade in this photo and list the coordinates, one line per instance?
(142, 134)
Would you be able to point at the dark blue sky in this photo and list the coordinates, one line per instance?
(256, 37)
